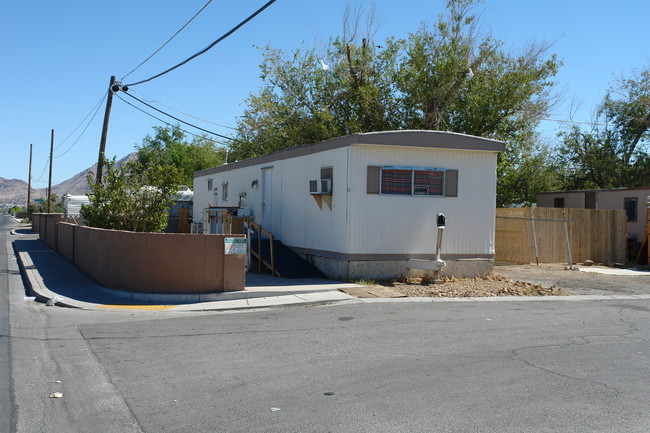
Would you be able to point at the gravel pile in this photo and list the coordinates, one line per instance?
(493, 285)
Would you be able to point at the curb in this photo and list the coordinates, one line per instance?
(36, 287)
(39, 290)
(35, 284)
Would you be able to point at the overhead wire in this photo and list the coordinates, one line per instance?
(84, 130)
(203, 51)
(149, 99)
(168, 40)
(94, 109)
(165, 122)
(177, 119)
(40, 177)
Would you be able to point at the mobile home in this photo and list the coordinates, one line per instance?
(362, 205)
(633, 200)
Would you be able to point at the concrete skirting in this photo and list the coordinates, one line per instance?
(350, 270)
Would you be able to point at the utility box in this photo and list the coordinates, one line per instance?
(72, 204)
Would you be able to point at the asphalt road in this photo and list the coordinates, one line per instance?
(540, 366)
(7, 408)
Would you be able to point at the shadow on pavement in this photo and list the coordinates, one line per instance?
(66, 280)
(62, 277)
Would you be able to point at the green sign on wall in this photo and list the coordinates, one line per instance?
(234, 245)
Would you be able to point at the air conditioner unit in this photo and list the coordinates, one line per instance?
(313, 187)
(326, 186)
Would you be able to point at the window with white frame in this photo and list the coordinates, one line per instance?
(209, 184)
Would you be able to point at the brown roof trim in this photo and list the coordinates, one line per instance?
(582, 191)
(407, 138)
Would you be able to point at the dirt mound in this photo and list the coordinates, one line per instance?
(493, 285)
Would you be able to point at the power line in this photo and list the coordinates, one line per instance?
(177, 119)
(166, 123)
(149, 99)
(97, 107)
(230, 32)
(168, 40)
(577, 122)
(81, 123)
(40, 177)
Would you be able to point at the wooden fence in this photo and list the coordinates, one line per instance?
(529, 235)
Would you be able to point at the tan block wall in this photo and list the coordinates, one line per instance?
(36, 222)
(65, 241)
(47, 227)
(153, 262)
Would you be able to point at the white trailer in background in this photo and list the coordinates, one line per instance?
(72, 204)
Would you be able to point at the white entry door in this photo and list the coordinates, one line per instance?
(267, 209)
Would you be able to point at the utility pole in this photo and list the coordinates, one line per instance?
(49, 185)
(102, 142)
(29, 182)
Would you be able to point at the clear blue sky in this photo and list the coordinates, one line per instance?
(58, 56)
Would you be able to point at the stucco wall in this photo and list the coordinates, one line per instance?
(153, 262)
(36, 222)
(45, 225)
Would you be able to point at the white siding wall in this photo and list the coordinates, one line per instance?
(297, 219)
(390, 224)
(361, 223)
(304, 224)
(238, 181)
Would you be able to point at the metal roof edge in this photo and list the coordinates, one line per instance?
(398, 138)
(577, 191)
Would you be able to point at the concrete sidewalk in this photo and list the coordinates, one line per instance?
(51, 278)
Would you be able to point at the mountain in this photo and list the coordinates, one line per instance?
(14, 191)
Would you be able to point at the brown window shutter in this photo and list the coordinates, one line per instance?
(372, 179)
(451, 183)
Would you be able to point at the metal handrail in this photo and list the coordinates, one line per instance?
(258, 253)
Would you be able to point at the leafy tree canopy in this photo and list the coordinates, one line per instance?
(168, 147)
(131, 197)
(613, 150)
(446, 77)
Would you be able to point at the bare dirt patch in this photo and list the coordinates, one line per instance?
(576, 282)
(493, 285)
(523, 280)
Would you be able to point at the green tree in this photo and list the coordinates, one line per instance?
(56, 205)
(613, 151)
(131, 197)
(168, 147)
(446, 77)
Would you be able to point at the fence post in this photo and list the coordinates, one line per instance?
(566, 236)
(532, 220)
